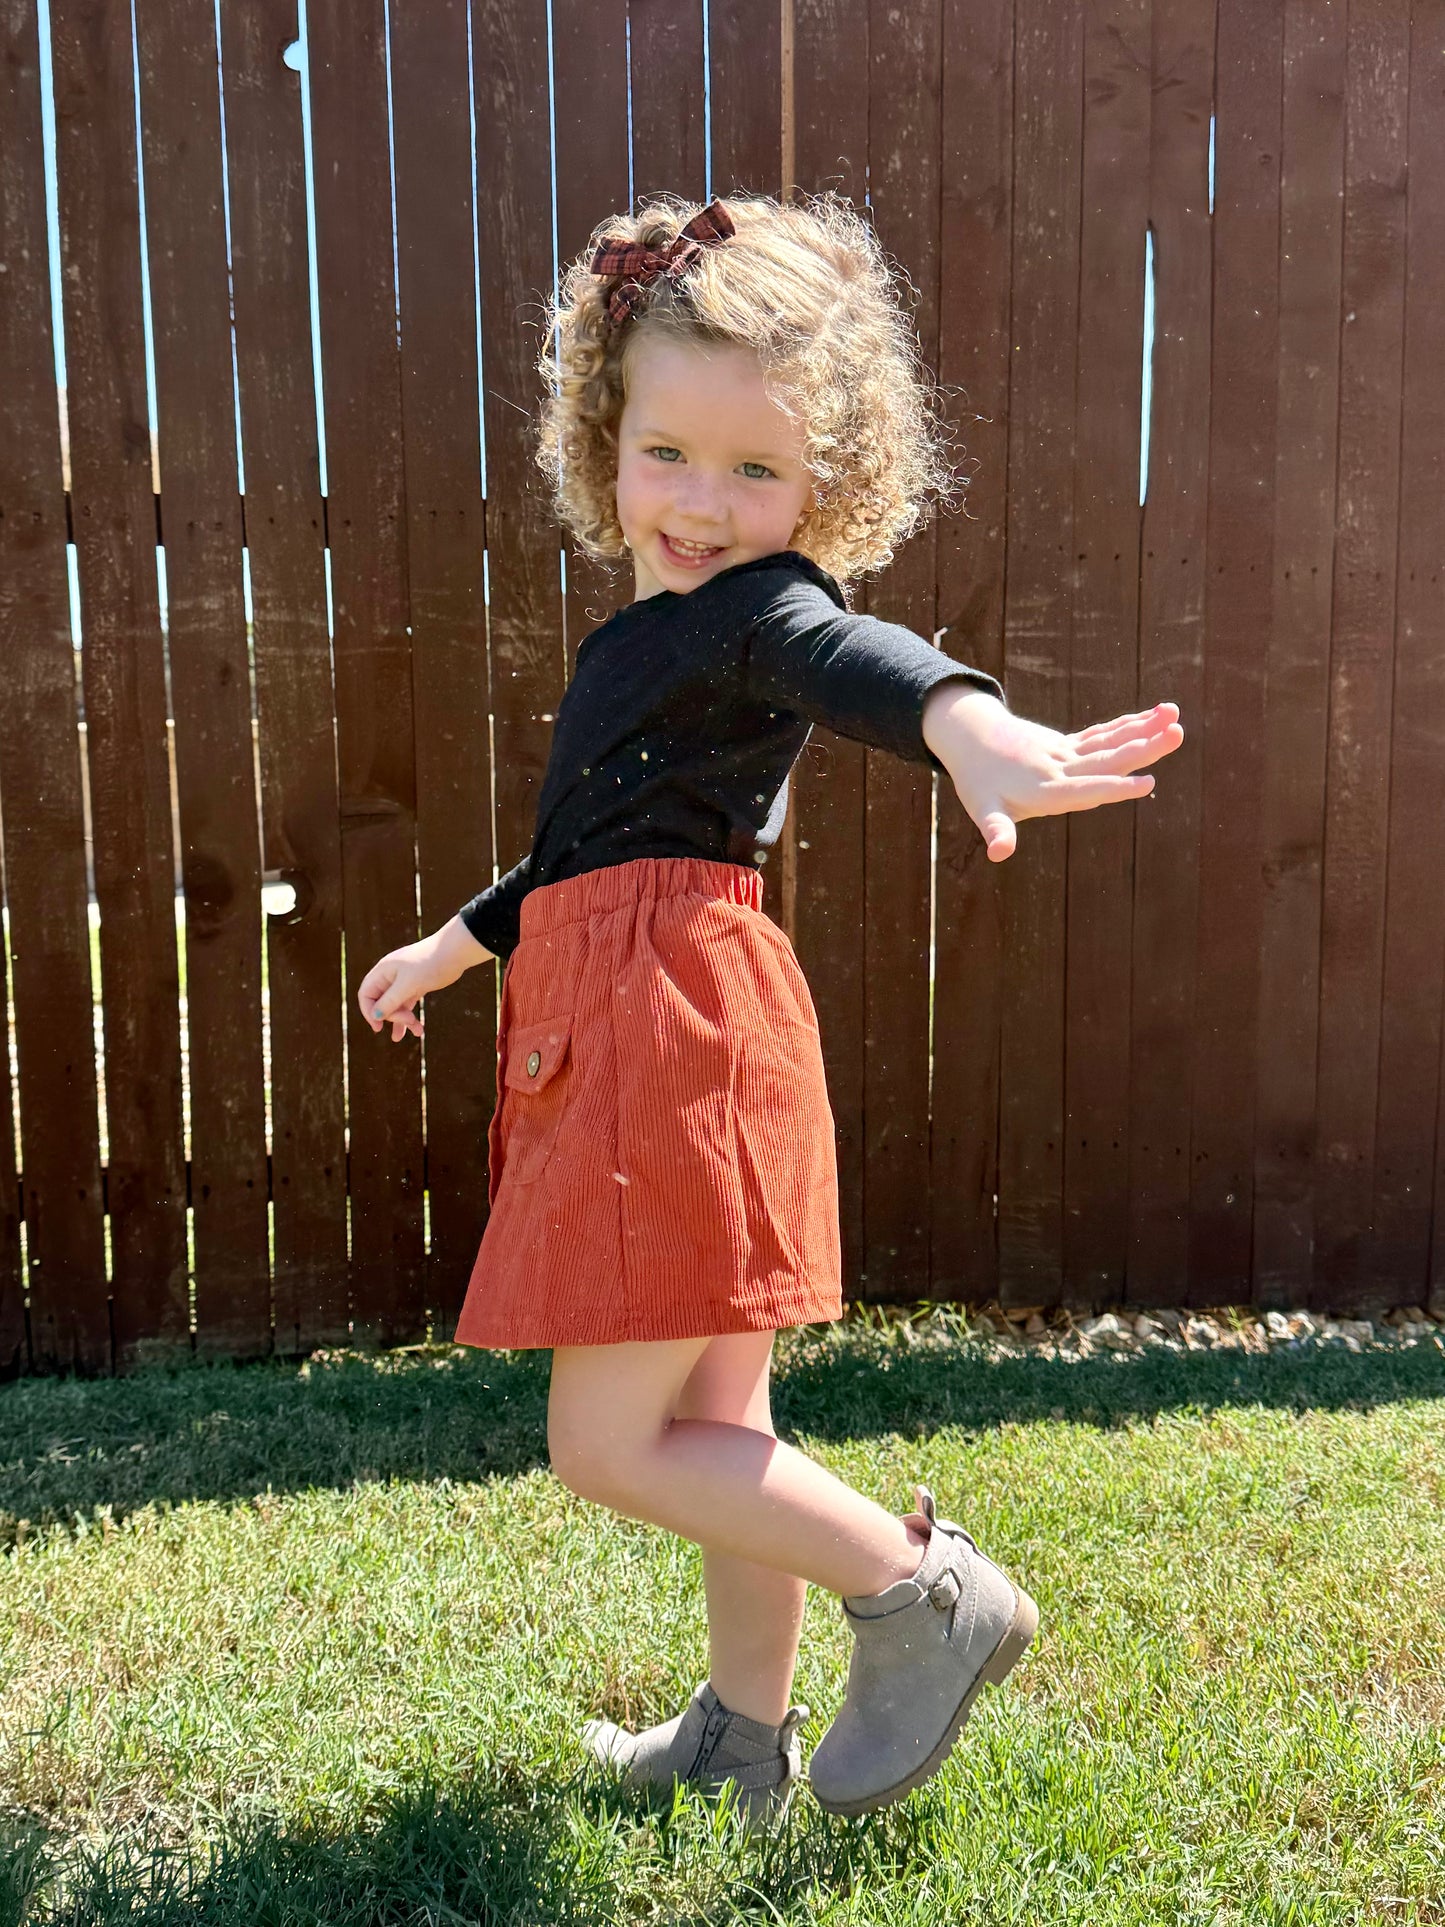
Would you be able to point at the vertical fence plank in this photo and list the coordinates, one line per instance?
(745, 55)
(973, 356)
(1367, 519)
(445, 539)
(745, 67)
(1422, 497)
(668, 92)
(903, 155)
(113, 513)
(1171, 653)
(1297, 655)
(830, 107)
(40, 791)
(745, 62)
(375, 750)
(210, 683)
(1037, 622)
(1399, 1258)
(1243, 397)
(1103, 665)
(589, 79)
(14, 1344)
(294, 693)
(509, 56)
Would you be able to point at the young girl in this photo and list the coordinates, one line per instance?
(737, 406)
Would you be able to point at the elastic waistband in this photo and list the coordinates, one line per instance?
(618, 884)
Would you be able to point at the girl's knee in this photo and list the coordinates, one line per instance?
(566, 1447)
(569, 1457)
(598, 1469)
(606, 1412)
(592, 1451)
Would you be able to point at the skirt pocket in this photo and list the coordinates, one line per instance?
(536, 1082)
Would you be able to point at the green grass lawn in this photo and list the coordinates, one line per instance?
(288, 1644)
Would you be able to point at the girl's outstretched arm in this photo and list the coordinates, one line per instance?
(1006, 768)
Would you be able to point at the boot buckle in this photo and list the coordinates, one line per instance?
(944, 1591)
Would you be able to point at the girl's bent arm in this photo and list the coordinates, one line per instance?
(391, 989)
(454, 945)
(494, 915)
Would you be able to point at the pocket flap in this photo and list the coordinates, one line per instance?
(535, 1052)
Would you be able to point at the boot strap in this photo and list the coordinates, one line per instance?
(755, 1773)
(945, 1591)
(927, 1513)
(763, 1773)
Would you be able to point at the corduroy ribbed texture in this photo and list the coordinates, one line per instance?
(662, 1152)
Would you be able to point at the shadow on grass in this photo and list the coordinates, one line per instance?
(504, 1845)
(853, 1390)
(218, 1431)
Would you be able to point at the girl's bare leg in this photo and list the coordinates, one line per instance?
(615, 1438)
(754, 1614)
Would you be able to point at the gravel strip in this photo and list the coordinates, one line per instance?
(1058, 1334)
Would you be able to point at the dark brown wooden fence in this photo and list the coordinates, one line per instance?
(1186, 1051)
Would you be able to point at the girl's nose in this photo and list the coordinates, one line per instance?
(702, 504)
(705, 491)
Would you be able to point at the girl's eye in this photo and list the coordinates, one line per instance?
(665, 451)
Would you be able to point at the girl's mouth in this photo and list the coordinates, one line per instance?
(691, 558)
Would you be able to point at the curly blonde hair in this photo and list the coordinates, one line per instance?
(807, 286)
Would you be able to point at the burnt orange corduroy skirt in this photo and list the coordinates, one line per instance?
(662, 1159)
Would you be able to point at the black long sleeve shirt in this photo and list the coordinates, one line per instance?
(686, 713)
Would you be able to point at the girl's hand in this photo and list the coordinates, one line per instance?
(1006, 768)
(391, 989)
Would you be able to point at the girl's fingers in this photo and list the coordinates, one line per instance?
(1110, 735)
(1120, 759)
(375, 985)
(1105, 735)
(999, 834)
(1087, 792)
(1157, 720)
(390, 1006)
(402, 1019)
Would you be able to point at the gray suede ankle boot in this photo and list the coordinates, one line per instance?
(706, 1745)
(922, 1649)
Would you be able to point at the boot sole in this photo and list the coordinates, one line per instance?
(995, 1669)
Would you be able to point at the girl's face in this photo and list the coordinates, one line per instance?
(704, 456)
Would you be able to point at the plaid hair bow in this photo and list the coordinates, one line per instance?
(642, 264)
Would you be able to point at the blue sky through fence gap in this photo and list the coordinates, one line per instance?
(298, 57)
(1148, 373)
